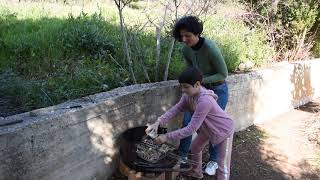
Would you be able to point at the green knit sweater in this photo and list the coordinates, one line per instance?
(208, 59)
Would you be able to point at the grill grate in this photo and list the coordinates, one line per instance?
(152, 152)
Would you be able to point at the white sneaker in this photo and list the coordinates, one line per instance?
(211, 168)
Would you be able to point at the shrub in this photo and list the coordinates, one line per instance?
(316, 48)
(289, 24)
(238, 43)
(85, 37)
(54, 60)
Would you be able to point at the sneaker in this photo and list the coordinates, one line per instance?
(211, 168)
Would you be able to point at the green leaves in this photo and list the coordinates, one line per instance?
(85, 36)
(238, 43)
(290, 25)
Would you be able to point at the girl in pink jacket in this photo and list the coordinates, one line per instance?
(213, 123)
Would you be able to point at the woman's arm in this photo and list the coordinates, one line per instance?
(217, 61)
(186, 59)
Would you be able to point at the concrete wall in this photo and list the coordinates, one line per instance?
(81, 143)
(260, 95)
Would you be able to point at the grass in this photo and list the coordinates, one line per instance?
(56, 52)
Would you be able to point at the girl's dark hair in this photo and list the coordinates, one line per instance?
(189, 23)
(190, 76)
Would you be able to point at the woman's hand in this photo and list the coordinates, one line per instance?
(152, 130)
(161, 139)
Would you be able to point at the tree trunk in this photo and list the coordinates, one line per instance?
(158, 49)
(169, 60)
(125, 44)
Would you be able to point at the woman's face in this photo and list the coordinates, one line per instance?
(189, 89)
(189, 38)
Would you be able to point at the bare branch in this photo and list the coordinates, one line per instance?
(120, 6)
(158, 46)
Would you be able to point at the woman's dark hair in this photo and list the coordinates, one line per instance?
(190, 76)
(189, 23)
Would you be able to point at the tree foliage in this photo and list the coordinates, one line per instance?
(292, 25)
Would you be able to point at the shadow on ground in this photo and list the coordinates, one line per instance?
(248, 162)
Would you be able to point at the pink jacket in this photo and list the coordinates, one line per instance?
(207, 117)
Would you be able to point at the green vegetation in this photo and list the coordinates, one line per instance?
(48, 60)
(316, 48)
(291, 25)
(53, 52)
(238, 43)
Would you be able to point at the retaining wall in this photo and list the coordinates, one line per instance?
(81, 143)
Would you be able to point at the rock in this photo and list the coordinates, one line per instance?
(242, 66)
(249, 65)
(246, 66)
(105, 87)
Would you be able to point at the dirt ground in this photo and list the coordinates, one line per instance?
(286, 147)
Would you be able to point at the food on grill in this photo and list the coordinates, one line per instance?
(151, 152)
(164, 148)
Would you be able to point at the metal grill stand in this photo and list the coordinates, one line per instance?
(142, 159)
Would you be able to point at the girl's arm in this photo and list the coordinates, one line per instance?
(202, 110)
(181, 106)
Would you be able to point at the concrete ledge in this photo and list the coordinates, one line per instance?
(261, 95)
(81, 143)
(60, 143)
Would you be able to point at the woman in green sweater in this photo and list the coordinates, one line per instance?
(203, 54)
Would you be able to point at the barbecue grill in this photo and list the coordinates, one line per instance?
(135, 140)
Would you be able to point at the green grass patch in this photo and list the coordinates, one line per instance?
(53, 57)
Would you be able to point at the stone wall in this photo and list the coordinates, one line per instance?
(81, 143)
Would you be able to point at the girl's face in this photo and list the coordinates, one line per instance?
(189, 38)
(189, 89)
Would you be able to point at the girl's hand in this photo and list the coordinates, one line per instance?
(161, 139)
(152, 130)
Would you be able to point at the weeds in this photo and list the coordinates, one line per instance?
(57, 58)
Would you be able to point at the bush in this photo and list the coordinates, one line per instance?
(316, 48)
(238, 43)
(54, 60)
(85, 36)
(289, 23)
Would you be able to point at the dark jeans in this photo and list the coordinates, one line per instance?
(184, 147)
